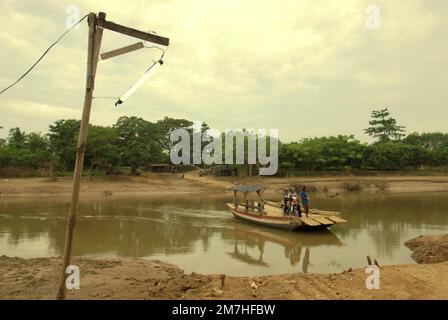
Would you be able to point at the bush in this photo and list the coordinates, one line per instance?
(20, 172)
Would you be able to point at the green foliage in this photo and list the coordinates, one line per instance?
(135, 142)
(394, 156)
(430, 141)
(21, 150)
(16, 138)
(102, 150)
(39, 148)
(139, 142)
(322, 153)
(166, 126)
(11, 156)
(63, 135)
(383, 127)
(439, 157)
(131, 142)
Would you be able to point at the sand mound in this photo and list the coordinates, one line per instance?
(429, 249)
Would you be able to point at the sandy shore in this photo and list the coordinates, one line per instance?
(160, 184)
(143, 279)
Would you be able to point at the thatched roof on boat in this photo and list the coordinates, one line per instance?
(248, 188)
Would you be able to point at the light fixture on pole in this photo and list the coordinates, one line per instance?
(151, 70)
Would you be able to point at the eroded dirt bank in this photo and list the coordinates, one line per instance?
(143, 279)
(429, 249)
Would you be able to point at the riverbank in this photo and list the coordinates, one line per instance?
(143, 279)
(429, 249)
(161, 184)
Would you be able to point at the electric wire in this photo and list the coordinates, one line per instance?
(43, 55)
(62, 36)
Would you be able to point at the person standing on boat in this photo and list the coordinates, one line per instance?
(292, 201)
(305, 200)
(298, 211)
(285, 201)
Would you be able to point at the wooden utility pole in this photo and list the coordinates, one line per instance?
(96, 25)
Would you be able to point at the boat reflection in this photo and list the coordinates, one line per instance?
(297, 246)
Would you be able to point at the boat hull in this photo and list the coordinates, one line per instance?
(286, 222)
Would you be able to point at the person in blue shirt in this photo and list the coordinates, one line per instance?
(305, 199)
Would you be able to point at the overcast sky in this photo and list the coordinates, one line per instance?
(308, 67)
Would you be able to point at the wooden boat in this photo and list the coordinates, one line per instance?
(269, 215)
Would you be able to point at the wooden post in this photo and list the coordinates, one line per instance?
(223, 279)
(120, 51)
(93, 49)
(376, 262)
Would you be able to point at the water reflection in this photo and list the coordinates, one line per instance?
(293, 243)
(388, 220)
(198, 234)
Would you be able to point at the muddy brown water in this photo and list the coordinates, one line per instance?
(198, 234)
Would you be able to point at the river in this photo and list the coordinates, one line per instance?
(198, 234)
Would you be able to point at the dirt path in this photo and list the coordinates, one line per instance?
(143, 279)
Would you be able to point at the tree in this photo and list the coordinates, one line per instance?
(139, 142)
(15, 157)
(394, 156)
(383, 127)
(167, 125)
(323, 153)
(288, 155)
(430, 140)
(22, 150)
(63, 136)
(102, 151)
(249, 143)
(439, 157)
(16, 138)
(38, 146)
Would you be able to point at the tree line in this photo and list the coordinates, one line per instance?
(131, 141)
(134, 142)
(391, 150)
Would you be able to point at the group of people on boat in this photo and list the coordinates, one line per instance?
(291, 203)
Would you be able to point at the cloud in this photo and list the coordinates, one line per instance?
(303, 67)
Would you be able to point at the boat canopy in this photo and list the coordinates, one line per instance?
(248, 188)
